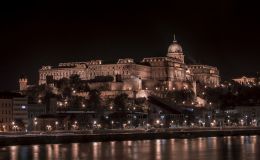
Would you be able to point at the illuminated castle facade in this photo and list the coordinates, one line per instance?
(152, 73)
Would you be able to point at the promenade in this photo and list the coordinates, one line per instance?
(15, 138)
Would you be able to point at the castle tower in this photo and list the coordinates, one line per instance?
(23, 83)
(175, 51)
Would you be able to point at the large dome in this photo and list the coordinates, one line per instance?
(175, 47)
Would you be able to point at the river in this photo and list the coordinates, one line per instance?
(208, 148)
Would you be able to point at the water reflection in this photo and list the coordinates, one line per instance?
(213, 148)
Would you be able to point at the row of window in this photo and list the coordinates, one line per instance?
(6, 112)
(62, 74)
(3, 120)
(5, 104)
(109, 67)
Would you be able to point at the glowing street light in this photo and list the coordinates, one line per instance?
(39, 101)
(112, 122)
(56, 123)
(48, 127)
(15, 127)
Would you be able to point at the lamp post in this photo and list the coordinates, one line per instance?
(56, 125)
(13, 126)
(112, 122)
(94, 124)
(35, 125)
(3, 128)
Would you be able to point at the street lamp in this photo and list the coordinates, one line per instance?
(242, 122)
(112, 122)
(94, 124)
(15, 127)
(48, 127)
(185, 122)
(35, 125)
(56, 124)
(157, 121)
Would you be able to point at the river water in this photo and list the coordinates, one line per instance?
(212, 148)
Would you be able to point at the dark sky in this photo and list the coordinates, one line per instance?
(223, 34)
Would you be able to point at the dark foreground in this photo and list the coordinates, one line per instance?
(120, 135)
(213, 148)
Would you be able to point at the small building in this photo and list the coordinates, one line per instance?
(20, 111)
(245, 80)
(13, 111)
(6, 113)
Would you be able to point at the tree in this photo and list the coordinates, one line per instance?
(62, 83)
(103, 79)
(181, 95)
(94, 100)
(120, 102)
(75, 81)
(215, 95)
(38, 91)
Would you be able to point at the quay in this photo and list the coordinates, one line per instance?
(17, 138)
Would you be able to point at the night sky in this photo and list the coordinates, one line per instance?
(223, 34)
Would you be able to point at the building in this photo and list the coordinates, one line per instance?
(20, 111)
(6, 113)
(160, 73)
(13, 111)
(245, 80)
(205, 74)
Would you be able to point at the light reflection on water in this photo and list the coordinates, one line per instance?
(213, 148)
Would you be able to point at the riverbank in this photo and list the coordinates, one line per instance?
(121, 135)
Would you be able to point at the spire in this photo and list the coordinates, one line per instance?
(174, 38)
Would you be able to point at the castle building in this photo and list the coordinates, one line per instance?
(23, 83)
(152, 73)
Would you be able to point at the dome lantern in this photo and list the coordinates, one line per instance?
(175, 50)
